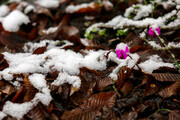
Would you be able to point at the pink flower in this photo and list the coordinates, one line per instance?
(122, 51)
(152, 33)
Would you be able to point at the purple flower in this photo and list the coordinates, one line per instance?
(152, 33)
(122, 51)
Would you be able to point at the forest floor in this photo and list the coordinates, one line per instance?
(90, 60)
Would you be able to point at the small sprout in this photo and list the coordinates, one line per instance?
(102, 32)
(121, 32)
(60, 43)
(137, 7)
(170, 20)
(95, 30)
(88, 35)
(152, 33)
(122, 51)
(99, 2)
(129, 16)
(87, 23)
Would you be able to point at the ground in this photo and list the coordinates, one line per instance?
(89, 60)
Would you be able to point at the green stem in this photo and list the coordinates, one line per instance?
(145, 40)
(159, 111)
(152, 9)
(172, 55)
(114, 87)
(145, 2)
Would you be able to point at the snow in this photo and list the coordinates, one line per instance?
(121, 46)
(30, 47)
(120, 22)
(2, 115)
(74, 8)
(153, 63)
(84, 41)
(38, 81)
(141, 11)
(44, 97)
(17, 110)
(50, 30)
(122, 62)
(13, 21)
(29, 8)
(4, 10)
(95, 60)
(48, 3)
(170, 45)
(65, 78)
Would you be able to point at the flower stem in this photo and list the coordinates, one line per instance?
(136, 63)
(145, 2)
(172, 55)
(159, 111)
(114, 87)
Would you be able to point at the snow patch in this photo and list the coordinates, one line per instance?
(14, 20)
(48, 3)
(154, 63)
(4, 10)
(74, 8)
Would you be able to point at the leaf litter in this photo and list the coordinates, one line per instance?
(49, 70)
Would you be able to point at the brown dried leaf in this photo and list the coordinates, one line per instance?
(88, 81)
(19, 94)
(99, 100)
(152, 86)
(166, 76)
(122, 75)
(9, 89)
(126, 87)
(130, 115)
(43, 10)
(13, 6)
(36, 113)
(40, 50)
(4, 64)
(2, 85)
(30, 90)
(73, 90)
(108, 114)
(12, 40)
(101, 84)
(1, 58)
(170, 90)
(80, 114)
(71, 33)
(91, 107)
(174, 115)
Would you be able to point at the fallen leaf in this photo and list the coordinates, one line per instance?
(170, 90)
(166, 76)
(40, 50)
(126, 87)
(91, 107)
(73, 90)
(174, 115)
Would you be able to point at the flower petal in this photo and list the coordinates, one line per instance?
(118, 52)
(124, 55)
